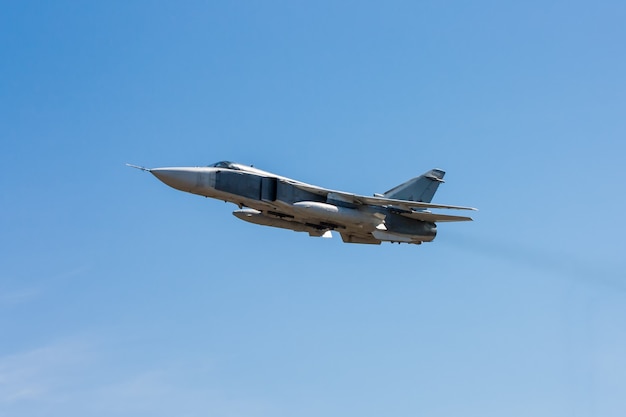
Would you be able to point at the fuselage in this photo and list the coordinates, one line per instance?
(273, 200)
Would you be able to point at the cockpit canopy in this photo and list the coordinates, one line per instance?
(225, 164)
(240, 167)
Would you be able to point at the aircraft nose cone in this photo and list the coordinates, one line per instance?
(178, 178)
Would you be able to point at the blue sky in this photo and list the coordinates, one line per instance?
(122, 297)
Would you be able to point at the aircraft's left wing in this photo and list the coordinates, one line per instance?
(373, 201)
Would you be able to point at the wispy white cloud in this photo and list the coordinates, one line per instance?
(184, 389)
(74, 377)
(38, 374)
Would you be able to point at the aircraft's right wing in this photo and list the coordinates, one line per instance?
(374, 201)
(435, 217)
(381, 201)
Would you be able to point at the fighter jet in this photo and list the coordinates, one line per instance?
(400, 215)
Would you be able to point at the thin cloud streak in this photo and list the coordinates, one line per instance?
(68, 377)
(37, 374)
(11, 298)
(585, 271)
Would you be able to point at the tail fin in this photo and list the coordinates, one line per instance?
(420, 188)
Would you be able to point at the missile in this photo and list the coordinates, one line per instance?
(338, 214)
(257, 217)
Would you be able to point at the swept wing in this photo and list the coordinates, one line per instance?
(374, 201)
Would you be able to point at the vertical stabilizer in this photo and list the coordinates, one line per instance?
(420, 188)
